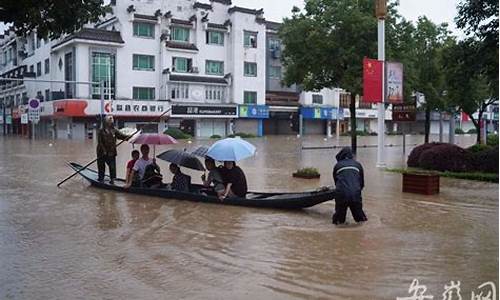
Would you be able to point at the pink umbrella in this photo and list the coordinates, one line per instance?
(153, 139)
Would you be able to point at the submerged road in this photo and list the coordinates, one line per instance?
(79, 242)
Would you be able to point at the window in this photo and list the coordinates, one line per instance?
(345, 100)
(47, 66)
(274, 44)
(180, 34)
(213, 67)
(215, 93)
(143, 62)
(103, 69)
(39, 68)
(144, 30)
(250, 39)
(32, 69)
(363, 104)
(181, 64)
(38, 42)
(47, 95)
(275, 72)
(215, 38)
(179, 91)
(317, 99)
(249, 97)
(250, 69)
(144, 93)
(70, 76)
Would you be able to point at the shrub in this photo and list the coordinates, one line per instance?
(472, 131)
(242, 135)
(459, 131)
(478, 148)
(414, 157)
(492, 140)
(358, 133)
(215, 136)
(176, 133)
(445, 157)
(486, 160)
(307, 172)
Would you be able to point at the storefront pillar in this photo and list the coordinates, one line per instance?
(329, 128)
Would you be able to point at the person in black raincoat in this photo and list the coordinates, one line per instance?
(349, 182)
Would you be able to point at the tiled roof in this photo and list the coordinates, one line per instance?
(180, 45)
(225, 2)
(181, 22)
(145, 17)
(201, 79)
(273, 25)
(202, 6)
(217, 26)
(94, 35)
(246, 10)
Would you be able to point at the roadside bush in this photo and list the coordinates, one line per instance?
(486, 160)
(472, 131)
(176, 133)
(358, 133)
(414, 157)
(215, 136)
(445, 157)
(242, 135)
(307, 172)
(459, 131)
(492, 140)
(478, 148)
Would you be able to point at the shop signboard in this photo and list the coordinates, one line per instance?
(404, 112)
(317, 113)
(214, 111)
(253, 111)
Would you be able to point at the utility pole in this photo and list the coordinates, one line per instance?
(381, 12)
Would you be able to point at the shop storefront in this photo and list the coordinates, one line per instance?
(251, 119)
(316, 120)
(204, 120)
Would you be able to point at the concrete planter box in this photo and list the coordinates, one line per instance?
(425, 184)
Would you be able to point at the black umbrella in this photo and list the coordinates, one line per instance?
(200, 151)
(182, 158)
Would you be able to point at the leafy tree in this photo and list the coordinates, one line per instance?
(50, 18)
(430, 40)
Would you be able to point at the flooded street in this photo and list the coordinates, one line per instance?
(78, 242)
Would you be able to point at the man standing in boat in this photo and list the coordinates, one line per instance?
(349, 182)
(106, 148)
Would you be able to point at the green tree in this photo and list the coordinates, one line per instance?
(50, 18)
(429, 42)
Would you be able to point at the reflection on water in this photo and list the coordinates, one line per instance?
(81, 242)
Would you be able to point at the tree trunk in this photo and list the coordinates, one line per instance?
(427, 124)
(352, 110)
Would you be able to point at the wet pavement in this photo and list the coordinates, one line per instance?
(79, 242)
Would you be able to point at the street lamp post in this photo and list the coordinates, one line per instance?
(381, 12)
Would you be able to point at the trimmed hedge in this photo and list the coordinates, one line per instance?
(445, 157)
(478, 148)
(177, 134)
(308, 172)
(459, 131)
(472, 131)
(414, 157)
(486, 160)
(242, 135)
(215, 136)
(492, 140)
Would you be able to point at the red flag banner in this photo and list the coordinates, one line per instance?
(465, 117)
(372, 80)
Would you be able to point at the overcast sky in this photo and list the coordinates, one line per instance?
(438, 11)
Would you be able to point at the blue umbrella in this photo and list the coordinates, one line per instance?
(231, 149)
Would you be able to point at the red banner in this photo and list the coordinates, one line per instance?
(372, 80)
(465, 117)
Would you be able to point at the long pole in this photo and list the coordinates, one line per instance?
(84, 167)
(101, 91)
(381, 105)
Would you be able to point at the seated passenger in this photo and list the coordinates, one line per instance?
(181, 182)
(214, 177)
(234, 180)
(139, 169)
(130, 165)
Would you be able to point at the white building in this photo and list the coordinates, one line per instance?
(206, 61)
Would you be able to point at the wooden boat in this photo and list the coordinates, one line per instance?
(266, 200)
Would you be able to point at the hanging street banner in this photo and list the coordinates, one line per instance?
(372, 80)
(394, 82)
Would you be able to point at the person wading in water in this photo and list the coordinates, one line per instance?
(106, 149)
(349, 182)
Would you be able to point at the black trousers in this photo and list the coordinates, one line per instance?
(101, 167)
(341, 207)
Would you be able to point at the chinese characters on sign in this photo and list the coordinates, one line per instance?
(394, 82)
(485, 291)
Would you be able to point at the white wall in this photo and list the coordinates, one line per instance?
(330, 97)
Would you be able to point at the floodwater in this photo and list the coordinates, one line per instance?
(78, 242)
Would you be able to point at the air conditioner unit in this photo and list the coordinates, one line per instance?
(253, 41)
